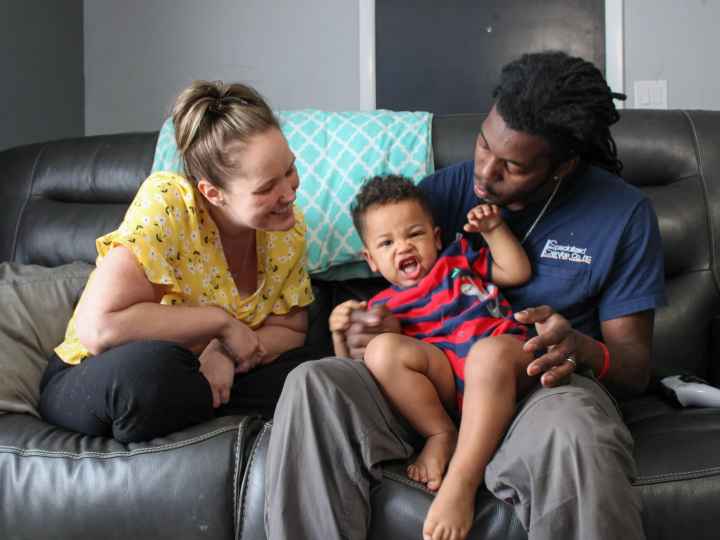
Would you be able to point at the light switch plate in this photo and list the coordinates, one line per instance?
(651, 94)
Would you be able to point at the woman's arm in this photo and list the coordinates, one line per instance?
(280, 333)
(120, 305)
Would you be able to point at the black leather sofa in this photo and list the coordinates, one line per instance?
(207, 481)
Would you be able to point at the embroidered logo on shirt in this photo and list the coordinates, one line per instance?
(472, 287)
(560, 252)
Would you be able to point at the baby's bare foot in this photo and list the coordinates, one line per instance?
(451, 513)
(430, 465)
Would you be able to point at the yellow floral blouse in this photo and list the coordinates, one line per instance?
(171, 233)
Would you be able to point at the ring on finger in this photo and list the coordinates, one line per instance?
(571, 359)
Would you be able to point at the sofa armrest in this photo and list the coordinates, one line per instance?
(185, 485)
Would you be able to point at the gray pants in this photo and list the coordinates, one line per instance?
(565, 463)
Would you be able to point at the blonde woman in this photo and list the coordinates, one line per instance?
(203, 280)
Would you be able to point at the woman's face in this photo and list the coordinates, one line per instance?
(262, 194)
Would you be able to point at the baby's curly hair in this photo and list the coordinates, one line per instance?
(382, 190)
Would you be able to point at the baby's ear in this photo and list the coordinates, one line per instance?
(368, 258)
(438, 238)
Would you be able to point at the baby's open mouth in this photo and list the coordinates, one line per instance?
(410, 268)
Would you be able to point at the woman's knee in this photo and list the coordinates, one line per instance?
(144, 363)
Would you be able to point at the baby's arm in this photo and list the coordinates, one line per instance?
(340, 322)
(511, 265)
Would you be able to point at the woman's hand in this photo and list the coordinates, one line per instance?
(366, 324)
(219, 370)
(557, 337)
(243, 344)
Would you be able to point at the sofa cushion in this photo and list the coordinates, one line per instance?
(37, 303)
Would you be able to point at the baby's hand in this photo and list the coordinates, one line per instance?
(340, 316)
(483, 218)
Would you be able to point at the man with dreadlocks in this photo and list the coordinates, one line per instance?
(546, 156)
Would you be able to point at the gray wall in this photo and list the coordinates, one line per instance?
(139, 54)
(41, 62)
(678, 41)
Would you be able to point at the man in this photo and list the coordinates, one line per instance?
(546, 155)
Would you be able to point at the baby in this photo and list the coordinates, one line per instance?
(460, 348)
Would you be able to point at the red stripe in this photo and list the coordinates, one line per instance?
(472, 329)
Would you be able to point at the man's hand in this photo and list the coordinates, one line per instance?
(219, 370)
(557, 337)
(483, 218)
(340, 316)
(366, 325)
(340, 321)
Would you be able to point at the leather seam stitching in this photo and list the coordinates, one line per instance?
(406, 481)
(236, 472)
(248, 468)
(689, 475)
(703, 183)
(99, 455)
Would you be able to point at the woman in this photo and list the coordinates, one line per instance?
(203, 279)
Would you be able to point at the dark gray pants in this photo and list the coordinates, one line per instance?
(565, 463)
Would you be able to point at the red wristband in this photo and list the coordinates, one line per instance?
(606, 362)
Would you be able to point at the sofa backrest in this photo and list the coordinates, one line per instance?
(59, 196)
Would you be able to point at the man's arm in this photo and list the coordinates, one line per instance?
(629, 343)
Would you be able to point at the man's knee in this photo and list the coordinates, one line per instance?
(572, 420)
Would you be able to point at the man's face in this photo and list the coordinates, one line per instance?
(510, 166)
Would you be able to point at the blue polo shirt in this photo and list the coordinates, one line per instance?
(596, 253)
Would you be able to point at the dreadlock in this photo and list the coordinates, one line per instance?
(566, 101)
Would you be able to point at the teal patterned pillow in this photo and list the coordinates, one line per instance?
(335, 152)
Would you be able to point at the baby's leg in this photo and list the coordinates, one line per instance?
(494, 376)
(417, 379)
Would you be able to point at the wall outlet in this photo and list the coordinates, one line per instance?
(651, 94)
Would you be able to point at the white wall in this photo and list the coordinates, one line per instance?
(139, 54)
(677, 41)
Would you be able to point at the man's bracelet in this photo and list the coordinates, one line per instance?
(606, 362)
